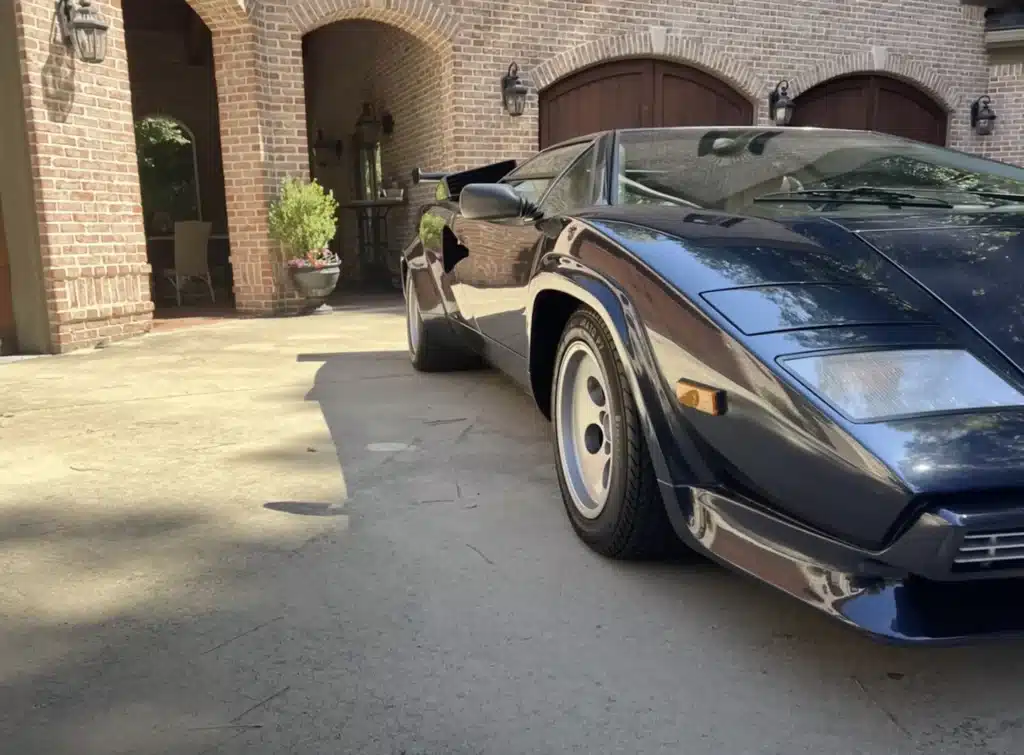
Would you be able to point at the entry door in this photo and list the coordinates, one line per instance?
(638, 93)
(7, 331)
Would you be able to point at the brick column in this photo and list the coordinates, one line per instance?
(81, 144)
(258, 64)
(1006, 88)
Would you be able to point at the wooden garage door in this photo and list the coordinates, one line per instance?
(7, 344)
(637, 94)
(873, 103)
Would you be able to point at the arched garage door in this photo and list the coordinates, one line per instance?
(872, 103)
(636, 94)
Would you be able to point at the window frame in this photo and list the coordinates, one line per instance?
(595, 154)
(587, 141)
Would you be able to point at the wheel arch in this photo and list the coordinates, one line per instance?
(561, 294)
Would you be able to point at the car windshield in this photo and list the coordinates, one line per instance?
(758, 170)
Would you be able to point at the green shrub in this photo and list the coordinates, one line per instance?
(304, 218)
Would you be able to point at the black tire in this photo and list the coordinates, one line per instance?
(633, 523)
(426, 352)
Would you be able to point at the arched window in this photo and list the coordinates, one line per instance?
(168, 172)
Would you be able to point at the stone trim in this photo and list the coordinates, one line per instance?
(421, 18)
(653, 42)
(880, 60)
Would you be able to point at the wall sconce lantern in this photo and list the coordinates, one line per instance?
(780, 106)
(387, 123)
(513, 91)
(326, 150)
(983, 119)
(368, 127)
(83, 30)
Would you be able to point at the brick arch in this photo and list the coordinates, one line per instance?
(654, 42)
(219, 14)
(423, 19)
(880, 60)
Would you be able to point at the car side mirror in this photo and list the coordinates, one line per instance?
(493, 202)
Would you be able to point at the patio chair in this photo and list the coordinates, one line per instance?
(191, 238)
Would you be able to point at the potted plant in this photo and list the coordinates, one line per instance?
(304, 219)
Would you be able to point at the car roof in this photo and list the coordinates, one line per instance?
(704, 129)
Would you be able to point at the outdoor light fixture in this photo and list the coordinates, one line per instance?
(983, 120)
(326, 150)
(387, 123)
(83, 30)
(513, 91)
(368, 127)
(780, 107)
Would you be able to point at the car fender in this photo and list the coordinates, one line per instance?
(669, 442)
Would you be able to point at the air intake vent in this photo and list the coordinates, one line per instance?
(991, 551)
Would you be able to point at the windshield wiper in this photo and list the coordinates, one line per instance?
(997, 195)
(859, 195)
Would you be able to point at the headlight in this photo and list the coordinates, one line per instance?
(876, 385)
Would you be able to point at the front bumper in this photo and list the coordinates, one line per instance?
(933, 585)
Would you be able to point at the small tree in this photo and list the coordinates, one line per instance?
(304, 218)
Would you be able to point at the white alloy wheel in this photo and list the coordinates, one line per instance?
(583, 428)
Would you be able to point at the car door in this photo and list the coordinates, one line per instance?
(492, 279)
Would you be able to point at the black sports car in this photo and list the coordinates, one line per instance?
(799, 350)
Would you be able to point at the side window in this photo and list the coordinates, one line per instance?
(533, 177)
(531, 188)
(575, 188)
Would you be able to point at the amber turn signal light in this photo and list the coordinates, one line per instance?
(701, 397)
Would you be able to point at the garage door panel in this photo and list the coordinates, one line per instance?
(687, 97)
(637, 94)
(610, 96)
(875, 103)
(909, 114)
(685, 103)
(615, 102)
(845, 104)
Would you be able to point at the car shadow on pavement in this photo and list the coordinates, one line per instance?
(472, 438)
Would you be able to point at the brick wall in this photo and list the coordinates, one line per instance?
(1006, 88)
(447, 73)
(750, 43)
(408, 76)
(350, 62)
(82, 147)
(339, 78)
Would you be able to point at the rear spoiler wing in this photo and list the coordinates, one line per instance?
(451, 184)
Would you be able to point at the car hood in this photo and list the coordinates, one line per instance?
(972, 261)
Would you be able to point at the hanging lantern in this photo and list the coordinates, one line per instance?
(513, 91)
(983, 119)
(780, 106)
(83, 30)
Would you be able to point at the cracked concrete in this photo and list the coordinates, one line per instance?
(274, 537)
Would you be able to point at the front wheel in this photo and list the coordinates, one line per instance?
(607, 481)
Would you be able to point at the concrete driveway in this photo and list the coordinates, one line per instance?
(270, 537)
